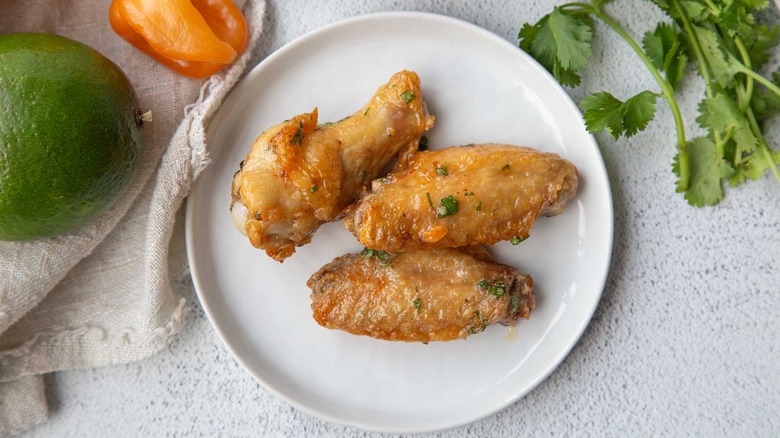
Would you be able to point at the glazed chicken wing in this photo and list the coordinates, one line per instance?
(435, 294)
(461, 196)
(299, 175)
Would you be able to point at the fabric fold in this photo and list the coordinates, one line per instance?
(107, 294)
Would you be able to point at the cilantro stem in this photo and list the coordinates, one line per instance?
(762, 80)
(666, 89)
(743, 53)
(744, 95)
(705, 67)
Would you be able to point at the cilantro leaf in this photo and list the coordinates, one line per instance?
(754, 166)
(695, 11)
(721, 67)
(659, 43)
(605, 111)
(722, 114)
(640, 110)
(757, 4)
(561, 42)
(759, 40)
(663, 47)
(733, 16)
(707, 171)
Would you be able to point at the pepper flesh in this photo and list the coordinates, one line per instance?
(193, 37)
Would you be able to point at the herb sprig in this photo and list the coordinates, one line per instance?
(728, 47)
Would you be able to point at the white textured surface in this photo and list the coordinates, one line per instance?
(684, 342)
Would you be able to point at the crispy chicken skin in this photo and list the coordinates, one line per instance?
(435, 294)
(299, 175)
(461, 196)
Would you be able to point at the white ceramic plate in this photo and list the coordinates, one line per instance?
(481, 89)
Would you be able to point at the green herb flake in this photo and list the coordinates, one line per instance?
(479, 206)
(417, 303)
(365, 113)
(407, 96)
(257, 216)
(506, 166)
(468, 194)
(517, 240)
(514, 303)
(429, 200)
(496, 288)
(380, 254)
(314, 189)
(477, 323)
(298, 137)
(442, 171)
(449, 206)
(499, 289)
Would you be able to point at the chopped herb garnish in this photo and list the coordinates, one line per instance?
(365, 113)
(506, 166)
(298, 137)
(429, 200)
(497, 288)
(442, 171)
(314, 189)
(380, 254)
(449, 206)
(383, 180)
(407, 96)
(514, 303)
(479, 206)
(257, 216)
(483, 322)
(517, 240)
(468, 194)
(326, 124)
(417, 304)
(423, 144)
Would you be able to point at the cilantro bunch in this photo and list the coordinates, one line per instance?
(728, 47)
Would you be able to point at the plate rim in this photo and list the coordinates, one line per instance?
(479, 414)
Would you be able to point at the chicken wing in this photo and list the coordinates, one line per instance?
(435, 294)
(299, 175)
(461, 196)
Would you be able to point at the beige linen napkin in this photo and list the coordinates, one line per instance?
(103, 294)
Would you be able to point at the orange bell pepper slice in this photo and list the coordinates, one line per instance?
(193, 37)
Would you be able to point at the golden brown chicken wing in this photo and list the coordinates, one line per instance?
(463, 196)
(436, 294)
(299, 175)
